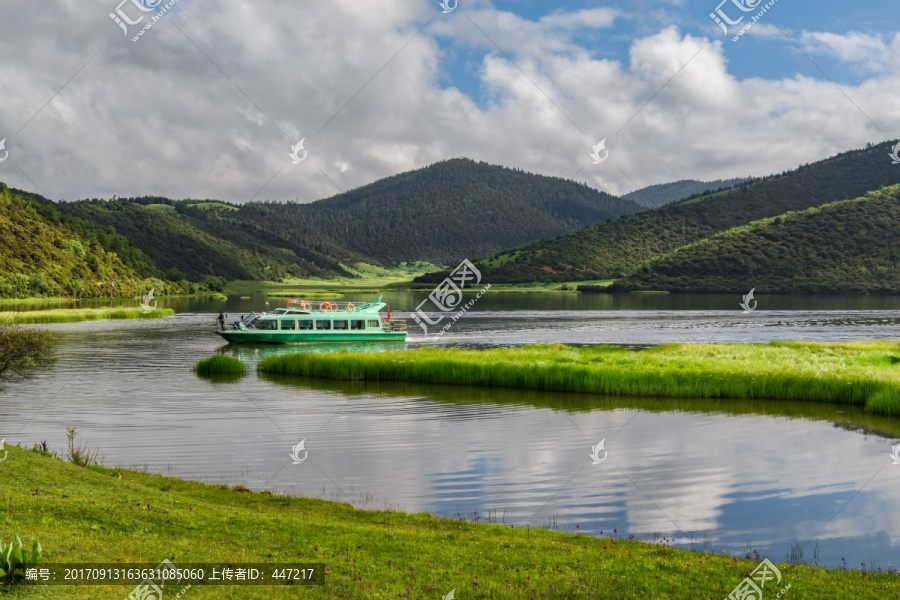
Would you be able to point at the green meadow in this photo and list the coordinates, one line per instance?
(866, 374)
(102, 515)
(73, 315)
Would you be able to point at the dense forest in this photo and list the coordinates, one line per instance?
(615, 249)
(45, 253)
(195, 239)
(661, 194)
(849, 246)
(445, 212)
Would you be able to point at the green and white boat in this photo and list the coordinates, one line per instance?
(316, 322)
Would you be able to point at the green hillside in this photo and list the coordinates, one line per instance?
(617, 248)
(661, 194)
(206, 239)
(849, 246)
(442, 213)
(44, 253)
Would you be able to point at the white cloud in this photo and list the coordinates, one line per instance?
(365, 90)
(870, 52)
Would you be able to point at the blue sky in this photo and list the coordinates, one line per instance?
(770, 57)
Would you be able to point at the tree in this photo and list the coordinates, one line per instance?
(23, 351)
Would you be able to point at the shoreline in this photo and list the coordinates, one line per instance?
(103, 515)
(77, 315)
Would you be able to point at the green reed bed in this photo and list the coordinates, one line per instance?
(220, 365)
(864, 373)
(73, 315)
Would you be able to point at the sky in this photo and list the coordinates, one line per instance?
(213, 97)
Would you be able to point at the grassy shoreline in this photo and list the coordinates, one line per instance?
(97, 515)
(75, 315)
(860, 373)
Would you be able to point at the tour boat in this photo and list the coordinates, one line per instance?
(305, 321)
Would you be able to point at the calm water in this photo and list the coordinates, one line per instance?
(710, 479)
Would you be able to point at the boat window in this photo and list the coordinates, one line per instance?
(323, 324)
(288, 324)
(253, 323)
(305, 324)
(268, 324)
(340, 324)
(374, 324)
(357, 324)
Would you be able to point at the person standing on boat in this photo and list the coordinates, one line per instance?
(221, 319)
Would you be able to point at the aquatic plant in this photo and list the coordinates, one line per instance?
(850, 373)
(220, 365)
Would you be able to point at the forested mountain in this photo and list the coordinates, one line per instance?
(849, 246)
(442, 213)
(209, 238)
(44, 253)
(661, 194)
(617, 248)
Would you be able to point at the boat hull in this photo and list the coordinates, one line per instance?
(288, 337)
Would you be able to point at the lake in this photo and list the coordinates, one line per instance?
(723, 476)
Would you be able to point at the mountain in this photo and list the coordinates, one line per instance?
(849, 246)
(444, 212)
(44, 253)
(195, 239)
(661, 194)
(615, 249)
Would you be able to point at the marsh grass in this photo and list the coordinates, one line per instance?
(74, 315)
(220, 368)
(864, 373)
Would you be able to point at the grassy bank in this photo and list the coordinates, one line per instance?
(72, 315)
(92, 515)
(865, 374)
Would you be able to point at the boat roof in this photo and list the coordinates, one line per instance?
(367, 309)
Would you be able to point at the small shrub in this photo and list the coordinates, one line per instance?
(82, 456)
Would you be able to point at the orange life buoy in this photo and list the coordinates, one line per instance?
(351, 307)
(301, 303)
(324, 306)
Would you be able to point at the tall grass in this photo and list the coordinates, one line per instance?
(73, 315)
(865, 374)
(220, 365)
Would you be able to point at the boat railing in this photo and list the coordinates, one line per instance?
(390, 326)
(326, 306)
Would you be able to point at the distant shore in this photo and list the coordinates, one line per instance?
(74, 315)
